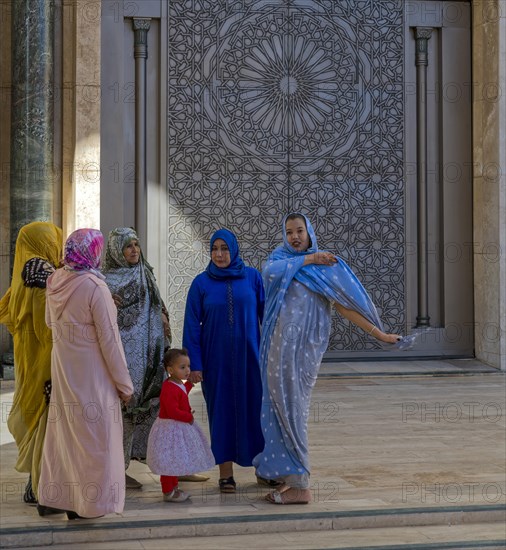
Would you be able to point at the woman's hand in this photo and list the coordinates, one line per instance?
(166, 326)
(195, 376)
(125, 397)
(367, 326)
(387, 338)
(320, 258)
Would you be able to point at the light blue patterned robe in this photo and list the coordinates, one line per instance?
(295, 335)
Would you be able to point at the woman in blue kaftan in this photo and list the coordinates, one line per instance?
(221, 332)
(301, 284)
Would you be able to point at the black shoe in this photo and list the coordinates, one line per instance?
(132, 483)
(75, 515)
(48, 511)
(28, 495)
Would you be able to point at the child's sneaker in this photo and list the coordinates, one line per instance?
(176, 495)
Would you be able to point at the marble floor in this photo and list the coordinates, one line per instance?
(404, 452)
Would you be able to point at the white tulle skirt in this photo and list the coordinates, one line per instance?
(178, 448)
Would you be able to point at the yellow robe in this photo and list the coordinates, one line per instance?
(22, 309)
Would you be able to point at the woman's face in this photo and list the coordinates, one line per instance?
(220, 254)
(297, 235)
(132, 252)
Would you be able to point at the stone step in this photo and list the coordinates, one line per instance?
(60, 531)
(454, 537)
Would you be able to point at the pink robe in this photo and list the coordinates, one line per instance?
(82, 462)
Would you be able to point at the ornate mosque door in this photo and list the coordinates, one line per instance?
(322, 107)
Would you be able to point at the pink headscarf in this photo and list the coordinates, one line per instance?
(83, 250)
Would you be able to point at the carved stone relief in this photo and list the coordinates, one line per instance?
(278, 106)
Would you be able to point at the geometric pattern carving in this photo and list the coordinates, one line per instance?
(276, 106)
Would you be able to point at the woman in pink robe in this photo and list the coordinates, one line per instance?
(82, 470)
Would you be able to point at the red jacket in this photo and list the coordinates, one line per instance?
(174, 402)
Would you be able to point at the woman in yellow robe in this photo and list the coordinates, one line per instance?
(22, 309)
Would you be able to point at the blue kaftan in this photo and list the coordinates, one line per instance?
(222, 336)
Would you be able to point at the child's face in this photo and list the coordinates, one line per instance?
(179, 369)
(297, 235)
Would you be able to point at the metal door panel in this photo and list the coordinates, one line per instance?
(275, 106)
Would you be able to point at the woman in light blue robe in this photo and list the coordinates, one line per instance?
(224, 309)
(301, 284)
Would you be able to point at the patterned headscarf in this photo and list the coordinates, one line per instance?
(117, 265)
(83, 250)
(236, 268)
(119, 238)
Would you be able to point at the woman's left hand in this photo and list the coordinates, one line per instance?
(167, 332)
(389, 338)
(195, 376)
(125, 398)
(320, 258)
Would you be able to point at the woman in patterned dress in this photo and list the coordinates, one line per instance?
(145, 333)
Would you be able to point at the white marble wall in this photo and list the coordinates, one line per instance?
(81, 127)
(489, 152)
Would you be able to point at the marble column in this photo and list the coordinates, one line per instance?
(489, 180)
(141, 27)
(32, 125)
(422, 35)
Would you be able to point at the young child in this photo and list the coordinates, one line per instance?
(177, 446)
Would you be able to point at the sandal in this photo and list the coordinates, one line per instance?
(276, 497)
(272, 483)
(227, 484)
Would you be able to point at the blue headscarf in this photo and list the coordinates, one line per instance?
(337, 283)
(236, 269)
